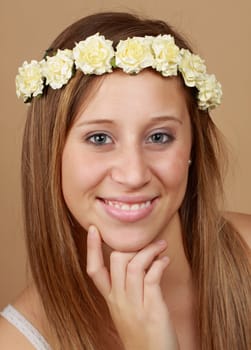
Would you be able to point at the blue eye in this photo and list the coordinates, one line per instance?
(160, 138)
(99, 139)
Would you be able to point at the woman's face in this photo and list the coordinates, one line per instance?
(125, 161)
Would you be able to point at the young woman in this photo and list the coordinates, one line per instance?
(122, 186)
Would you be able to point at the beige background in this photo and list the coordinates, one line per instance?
(219, 30)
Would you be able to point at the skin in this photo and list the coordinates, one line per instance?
(128, 119)
(144, 123)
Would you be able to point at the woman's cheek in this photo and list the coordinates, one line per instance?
(174, 171)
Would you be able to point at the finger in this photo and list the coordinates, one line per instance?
(118, 271)
(152, 290)
(96, 268)
(137, 267)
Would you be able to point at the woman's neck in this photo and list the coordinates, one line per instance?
(178, 272)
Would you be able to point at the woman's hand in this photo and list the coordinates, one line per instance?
(133, 294)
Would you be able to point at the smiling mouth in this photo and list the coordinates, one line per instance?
(128, 212)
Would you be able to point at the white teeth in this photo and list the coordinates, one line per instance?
(145, 205)
(135, 207)
(123, 206)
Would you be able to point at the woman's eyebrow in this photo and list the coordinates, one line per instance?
(95, 121)
(162, 118)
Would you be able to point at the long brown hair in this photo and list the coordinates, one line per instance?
(56, 244)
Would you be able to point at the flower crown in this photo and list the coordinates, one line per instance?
(96, 55)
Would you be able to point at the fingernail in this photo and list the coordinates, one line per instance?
(165, 259)
(161, 242)
(92, 231)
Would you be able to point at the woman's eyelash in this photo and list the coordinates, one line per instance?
(99, 139)
(161, 137)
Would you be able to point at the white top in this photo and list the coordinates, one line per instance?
(25, 327)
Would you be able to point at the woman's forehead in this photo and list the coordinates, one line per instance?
(146, 92)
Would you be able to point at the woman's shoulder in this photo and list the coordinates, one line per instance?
(242, 223)
(20, 323)
(11, 338)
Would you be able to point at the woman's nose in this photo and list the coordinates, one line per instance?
(130, 168)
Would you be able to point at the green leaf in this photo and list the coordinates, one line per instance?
(113, 62)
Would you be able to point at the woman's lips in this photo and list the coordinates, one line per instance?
(128, 211)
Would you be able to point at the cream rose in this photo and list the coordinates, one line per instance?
(29, 81)
(58, 69)
(94, 55)
(134, 54)
(192, 67)
(166, 55)
(210, 92)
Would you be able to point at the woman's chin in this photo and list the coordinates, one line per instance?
(125, 238)
(124, 246)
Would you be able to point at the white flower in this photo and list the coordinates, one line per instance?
(58, 69)
(192, 67)
(29, 81)
(134, 54)
(166, 55)
(210, 92)
(93, 55)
